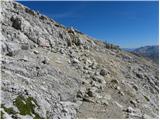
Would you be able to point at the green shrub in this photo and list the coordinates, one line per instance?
(147, 99)
(8, 110)
(26, 106)
(2, 113)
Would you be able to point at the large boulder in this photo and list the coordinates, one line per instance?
(43, 42)
(103, 72)
(17, 22)
(12, 48)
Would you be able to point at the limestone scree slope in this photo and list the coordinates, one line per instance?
(50, 71)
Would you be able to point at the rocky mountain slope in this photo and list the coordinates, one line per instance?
(151, 52)
(49, 71)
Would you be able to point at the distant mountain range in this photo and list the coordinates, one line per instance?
(151, 52)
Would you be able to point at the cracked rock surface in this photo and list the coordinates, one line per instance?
(50, 71)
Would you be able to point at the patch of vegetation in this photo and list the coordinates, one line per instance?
(111, 46)
(147, 99)
(47, 114)
(8, 110)
(57, 25)
(2, 113)
(30, 11)
(26, 106)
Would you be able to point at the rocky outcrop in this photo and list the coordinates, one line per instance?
(49, 71)
(151, 52)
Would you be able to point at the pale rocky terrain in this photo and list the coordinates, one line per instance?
(50, 71)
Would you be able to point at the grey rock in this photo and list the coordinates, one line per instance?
(86, 47)
(69, 42)
(81, 93)
(130, 110)
(62, 51)
(99, 79)
(92, 92)
(43, 42)
(17, 22)
(4, 48)
(133, 103)
(35, 52)
(103, 72)
(12, 49)
(114, 81)
(75, 61)
(45, 60)
(24, 46)
(139, 75)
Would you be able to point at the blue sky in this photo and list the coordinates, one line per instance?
(129, 24)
